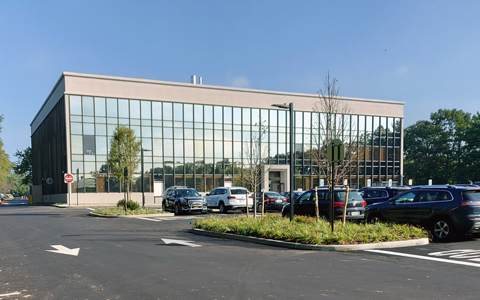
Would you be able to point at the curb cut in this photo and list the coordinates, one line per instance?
(131, 216)
(299, 246)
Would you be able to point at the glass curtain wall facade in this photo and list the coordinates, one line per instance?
(202, 146)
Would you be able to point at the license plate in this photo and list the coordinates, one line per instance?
(355, 213)
(195, 207)
(278, 201)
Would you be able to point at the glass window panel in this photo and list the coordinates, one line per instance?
(178, 111)
(88, 119)
(237, 149)
(89, 144)
(264, 115)
(146, 131)
(101, 144)
(237, 135)
(178, 144)
(208, 134)
(80, 157)
(255, 116)
(298, 119)
(178, 133)
(199, 134)
(227, 149)
(146, 109)
(188, 148)
(157, 110)
(168, 146)
(198, 148)
(168, 132)
(307, 122)
(87, 106)
(188, 112)
(282, 118)
(237, 115)
(167, 111)
(218, 149)
(147, 145)
(112, 120)
(75, 105)
(198, 113)
(111, 129)
(123, 108)
(218, 135)
(77, 144)
(100, 120)
(157, 147)
(227, 135)
(88, 129)
(208, 149)
(100, 107)
(75, 118)
(135, 109)
(218, 114)
(246, 116)
(246, 136)
(188, 134)
(111, 107)
(227, 115)
(100, 129)
(273, 117)
(136, 130)
(208, 114)
(76, 128)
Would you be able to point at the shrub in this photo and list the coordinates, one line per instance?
(132, 205)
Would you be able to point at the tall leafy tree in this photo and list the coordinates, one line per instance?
(124, 153)
(4, 160)
(24, 165)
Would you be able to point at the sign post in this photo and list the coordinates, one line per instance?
(335, 155)
(68, 179)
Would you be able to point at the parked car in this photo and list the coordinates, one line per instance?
(443, 210)
(272, 201)
(184, 200)
(173, 187)
(296, 194)
(305, 204)
(229, 198)
(376, 194)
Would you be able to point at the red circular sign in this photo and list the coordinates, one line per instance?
(68, 178)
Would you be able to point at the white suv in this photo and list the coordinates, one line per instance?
(225, 198)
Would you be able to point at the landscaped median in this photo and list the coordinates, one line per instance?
(308, 233)
(119, 212)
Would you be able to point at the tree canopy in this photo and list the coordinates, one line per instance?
(445, 148)
(4, 160)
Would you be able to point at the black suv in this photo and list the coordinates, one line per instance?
(305, 204)
(443, 210)
(381, 193)
(182, 199)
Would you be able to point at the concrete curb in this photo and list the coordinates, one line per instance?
(290, 245)
(132, 216)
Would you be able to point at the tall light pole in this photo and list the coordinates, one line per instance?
(143, 188)
(292, 156)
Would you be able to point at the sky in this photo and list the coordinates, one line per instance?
(423, 53)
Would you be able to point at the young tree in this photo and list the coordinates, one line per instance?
(4, 160)
(256, 157)
(24, 165)
(124, 153)
(333, 121)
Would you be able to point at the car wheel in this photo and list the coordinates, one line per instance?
(375, 219)
(442, 230)
(222, 208)
(177, 210)
(164, 207)
(259, 208)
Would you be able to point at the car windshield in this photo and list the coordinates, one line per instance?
(272, 195)
(398, 191)
(351, 196)
(188, 193)
(238, 191)
(472, 195)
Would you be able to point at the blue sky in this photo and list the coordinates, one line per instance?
(423, 53)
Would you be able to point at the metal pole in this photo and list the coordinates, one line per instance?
(143, 192)
(78, 180)
(292, 161)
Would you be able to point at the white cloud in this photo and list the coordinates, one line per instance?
(240, 82)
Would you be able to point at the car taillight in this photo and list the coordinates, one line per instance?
(231, 197)
(364, 203)
(470, 203)
(270, 200)
(284, 199)
(338, 204)
(251, 197)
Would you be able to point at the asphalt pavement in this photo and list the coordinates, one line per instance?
(153, 258)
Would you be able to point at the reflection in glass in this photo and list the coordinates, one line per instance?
(146, 110)
(100, 106)
(167, 111)
(75, 105)
(111, 107)
(87, 106)
(178, 112)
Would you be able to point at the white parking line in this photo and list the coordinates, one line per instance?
(427, 258)
(10, 294)
(148, 219)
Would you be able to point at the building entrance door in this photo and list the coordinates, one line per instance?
(275, 184)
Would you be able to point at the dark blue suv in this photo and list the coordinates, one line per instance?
(376, 194)
(443, 210)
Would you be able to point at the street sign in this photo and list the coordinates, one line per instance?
(68, 178)
(335, 152)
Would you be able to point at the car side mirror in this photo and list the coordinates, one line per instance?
(207, 195)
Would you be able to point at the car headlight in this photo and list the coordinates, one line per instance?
(204, 200)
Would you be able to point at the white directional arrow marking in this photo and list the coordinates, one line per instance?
(180, 242)
(64, 250)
